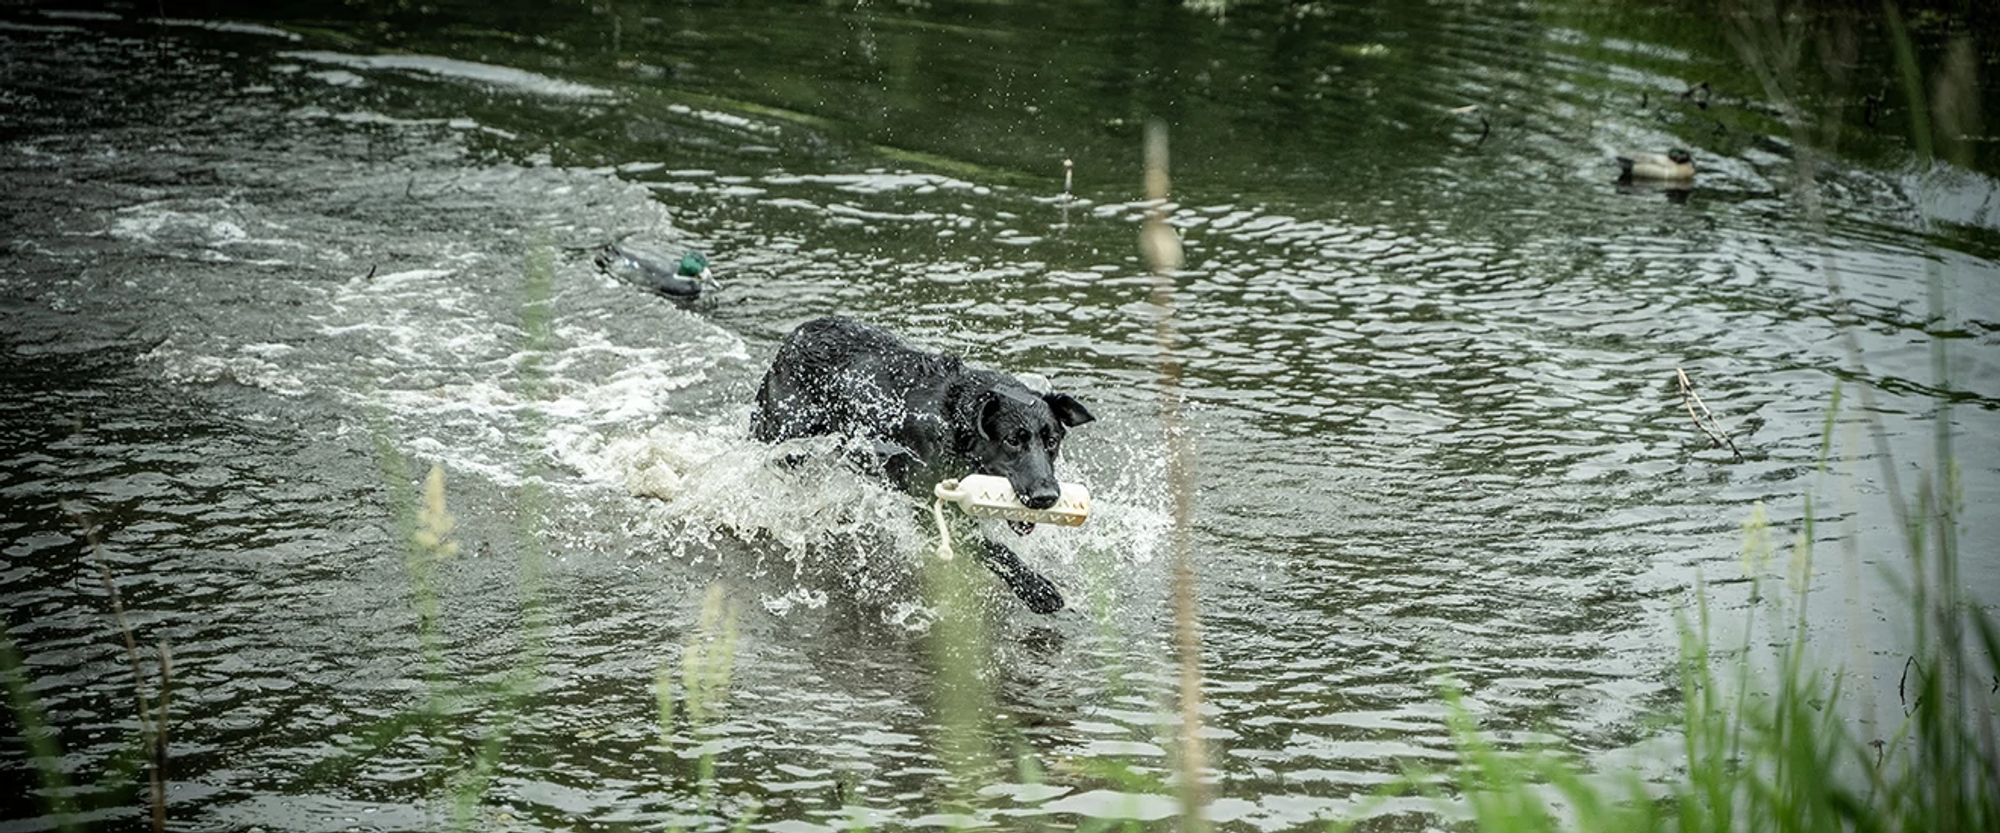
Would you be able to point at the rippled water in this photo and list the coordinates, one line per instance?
(261, 271)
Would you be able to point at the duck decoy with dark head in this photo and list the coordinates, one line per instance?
(1676, 165)
(682, 279)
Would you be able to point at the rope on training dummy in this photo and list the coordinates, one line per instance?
(944, 530)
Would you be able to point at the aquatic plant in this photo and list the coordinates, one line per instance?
(43, 752)
(707, 661)
(1770, 749)
(148, 746)
(957, 644)
(427, 527)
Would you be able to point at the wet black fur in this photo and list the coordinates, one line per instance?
(928, 417)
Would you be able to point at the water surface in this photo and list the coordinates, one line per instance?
(262, 269)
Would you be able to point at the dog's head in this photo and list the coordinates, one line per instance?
(1016, 433)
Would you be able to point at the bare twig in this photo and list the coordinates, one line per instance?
(1485, 125)
(125, 630)
(152, 722)
(1691, 400)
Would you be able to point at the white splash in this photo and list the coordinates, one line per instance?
(489, 74)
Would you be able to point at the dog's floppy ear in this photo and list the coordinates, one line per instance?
(987, 416)
(1068, 411)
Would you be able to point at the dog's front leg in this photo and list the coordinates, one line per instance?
(885, 459)
(1033, 588)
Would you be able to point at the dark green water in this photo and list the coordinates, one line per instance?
(1428, 363)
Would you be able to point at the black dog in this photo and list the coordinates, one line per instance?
(927, 417)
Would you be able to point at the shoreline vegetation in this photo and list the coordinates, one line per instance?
(1767, 740)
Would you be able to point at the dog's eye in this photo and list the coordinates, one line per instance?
(1019, 438)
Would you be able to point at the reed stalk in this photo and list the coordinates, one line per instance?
(1161, 248)
(470, 784)
(152, 716)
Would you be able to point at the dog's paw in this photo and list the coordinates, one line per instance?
(1037, 592)
(1034, 589)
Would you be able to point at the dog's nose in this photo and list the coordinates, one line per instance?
(1041, 498)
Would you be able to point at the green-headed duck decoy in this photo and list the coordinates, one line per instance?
(682, 280)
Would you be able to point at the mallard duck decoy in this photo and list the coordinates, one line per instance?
(683, 279)
(1676, 165)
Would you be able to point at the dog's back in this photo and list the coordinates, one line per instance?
(839, 376)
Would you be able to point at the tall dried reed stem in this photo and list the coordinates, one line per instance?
(152, 722)
(1162, 250)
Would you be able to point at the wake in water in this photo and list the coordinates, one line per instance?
(813, 526)
(626, 397)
